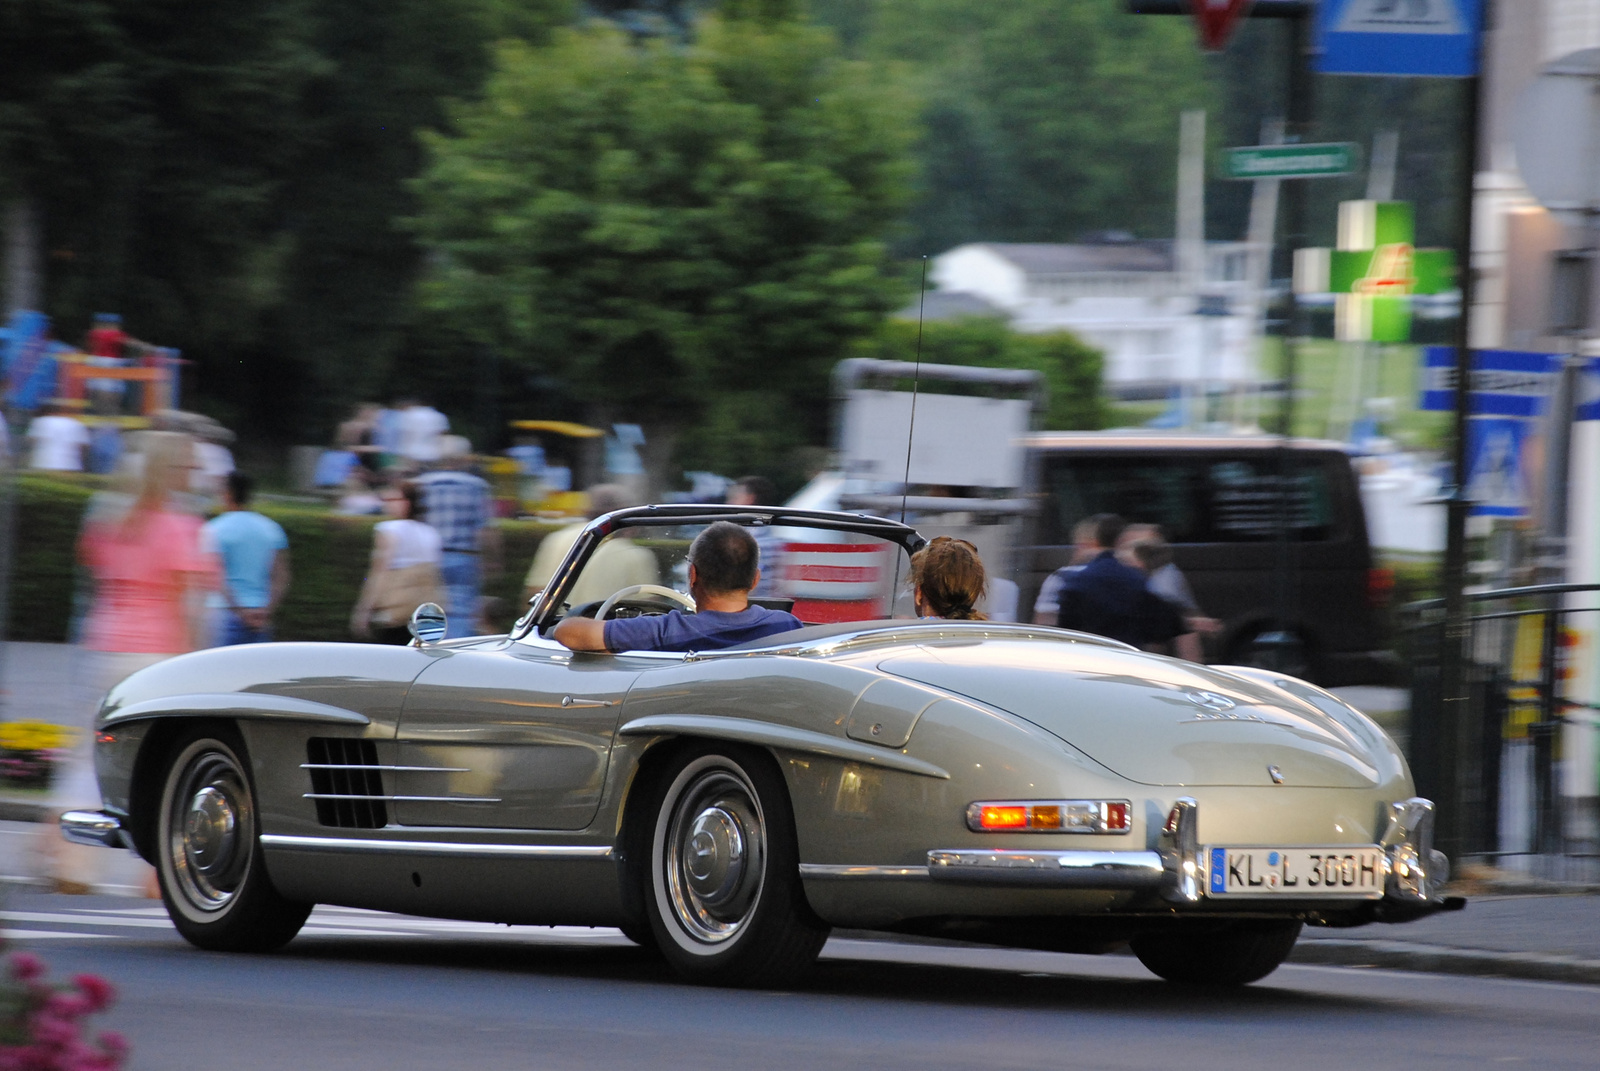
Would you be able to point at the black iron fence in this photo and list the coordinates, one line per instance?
(1505, 800)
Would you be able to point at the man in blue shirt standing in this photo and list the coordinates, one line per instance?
(255, 566)
(724, 568)
(1105, 596)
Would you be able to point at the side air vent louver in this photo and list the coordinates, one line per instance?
(346, 783)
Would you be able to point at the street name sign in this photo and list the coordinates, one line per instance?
(1418, 38)
(1290, 161)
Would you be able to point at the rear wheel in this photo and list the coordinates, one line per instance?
(1235, 953)
(208, 854)
(723, 892)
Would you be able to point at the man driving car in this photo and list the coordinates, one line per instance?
(724, 568)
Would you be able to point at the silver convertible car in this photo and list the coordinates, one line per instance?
(1011, 784)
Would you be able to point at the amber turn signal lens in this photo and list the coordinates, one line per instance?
(1051, 816)
(995, 817)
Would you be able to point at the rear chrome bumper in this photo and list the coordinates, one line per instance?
(1414, 873)
(1068, 870)
(94, 827)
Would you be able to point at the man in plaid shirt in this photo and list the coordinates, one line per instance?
(457, 504)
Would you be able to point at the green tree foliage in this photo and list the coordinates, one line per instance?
(152, 138)
(227, 174)
(684, 236)
(1071, 368)
(1044, 119)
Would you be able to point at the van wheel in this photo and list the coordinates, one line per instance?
(1277, 651)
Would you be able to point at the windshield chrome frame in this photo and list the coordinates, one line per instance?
(543, 611)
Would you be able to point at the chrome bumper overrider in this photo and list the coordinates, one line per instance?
(94, 827)
(1415, 873)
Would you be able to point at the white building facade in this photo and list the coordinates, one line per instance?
(1124, 298)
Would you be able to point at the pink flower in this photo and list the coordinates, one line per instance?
(96, 990)
(25, 966)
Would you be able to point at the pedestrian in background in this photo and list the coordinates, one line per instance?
(760, 491)
(459, 506)
(151, 575)
(59, 441)
(422, 429)
(404, 571)
(254, 556)
(1108, 597)
(1145, 547)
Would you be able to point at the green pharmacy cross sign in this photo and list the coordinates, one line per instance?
(1374, 271)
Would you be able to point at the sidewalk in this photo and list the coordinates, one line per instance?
(1510, 928)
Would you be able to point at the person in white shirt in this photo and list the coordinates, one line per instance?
(422, 428)
(59, 441)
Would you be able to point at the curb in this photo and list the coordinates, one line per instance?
(14, 810)
(1439, 959)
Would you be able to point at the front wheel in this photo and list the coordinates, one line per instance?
(208, 855)
(1222, 954)
(723, 895)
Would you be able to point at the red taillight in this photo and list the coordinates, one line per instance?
(1380, 587)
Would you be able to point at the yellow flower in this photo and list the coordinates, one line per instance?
(34, 736)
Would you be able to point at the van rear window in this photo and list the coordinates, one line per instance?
(1209, 499)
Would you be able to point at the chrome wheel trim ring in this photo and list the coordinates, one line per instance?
(711, 847)
(210, 829)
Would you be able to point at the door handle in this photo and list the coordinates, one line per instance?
(568, 701)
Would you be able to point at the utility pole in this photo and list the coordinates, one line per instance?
(1458, 745)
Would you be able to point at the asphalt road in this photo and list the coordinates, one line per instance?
(360, 990)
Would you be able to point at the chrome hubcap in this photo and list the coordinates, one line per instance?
(715, 851)
(210, 830)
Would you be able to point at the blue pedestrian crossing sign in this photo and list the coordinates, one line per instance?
(1416, 38)
(1496, 452)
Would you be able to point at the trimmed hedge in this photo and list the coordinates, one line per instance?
(328, 555)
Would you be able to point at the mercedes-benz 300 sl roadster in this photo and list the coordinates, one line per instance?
(1012, 784)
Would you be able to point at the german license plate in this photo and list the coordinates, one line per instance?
(1356, 872)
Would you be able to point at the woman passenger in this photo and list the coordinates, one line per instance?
(948, 580)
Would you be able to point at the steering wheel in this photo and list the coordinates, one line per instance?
(604, 613)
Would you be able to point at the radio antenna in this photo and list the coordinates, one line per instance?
(916, 379)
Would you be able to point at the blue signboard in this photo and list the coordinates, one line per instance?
(1588, 407)
(1497, 468)
(1504, 382)
(1420, 38)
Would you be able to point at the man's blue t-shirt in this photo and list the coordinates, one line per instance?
(246, 543)
(708, 630)
(1111, 599)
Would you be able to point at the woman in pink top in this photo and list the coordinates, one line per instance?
(150, 580)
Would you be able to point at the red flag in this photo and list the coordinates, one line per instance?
(1216, 19)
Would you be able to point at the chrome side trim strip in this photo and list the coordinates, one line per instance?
(380, 766)
(235, 705)
(94, 827)
(846, 871)
(1058, 869)
(748, 731)
(434, 847)
(401, 799)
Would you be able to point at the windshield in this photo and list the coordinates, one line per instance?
(822, 576)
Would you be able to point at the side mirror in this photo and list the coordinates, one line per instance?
(427, 623)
